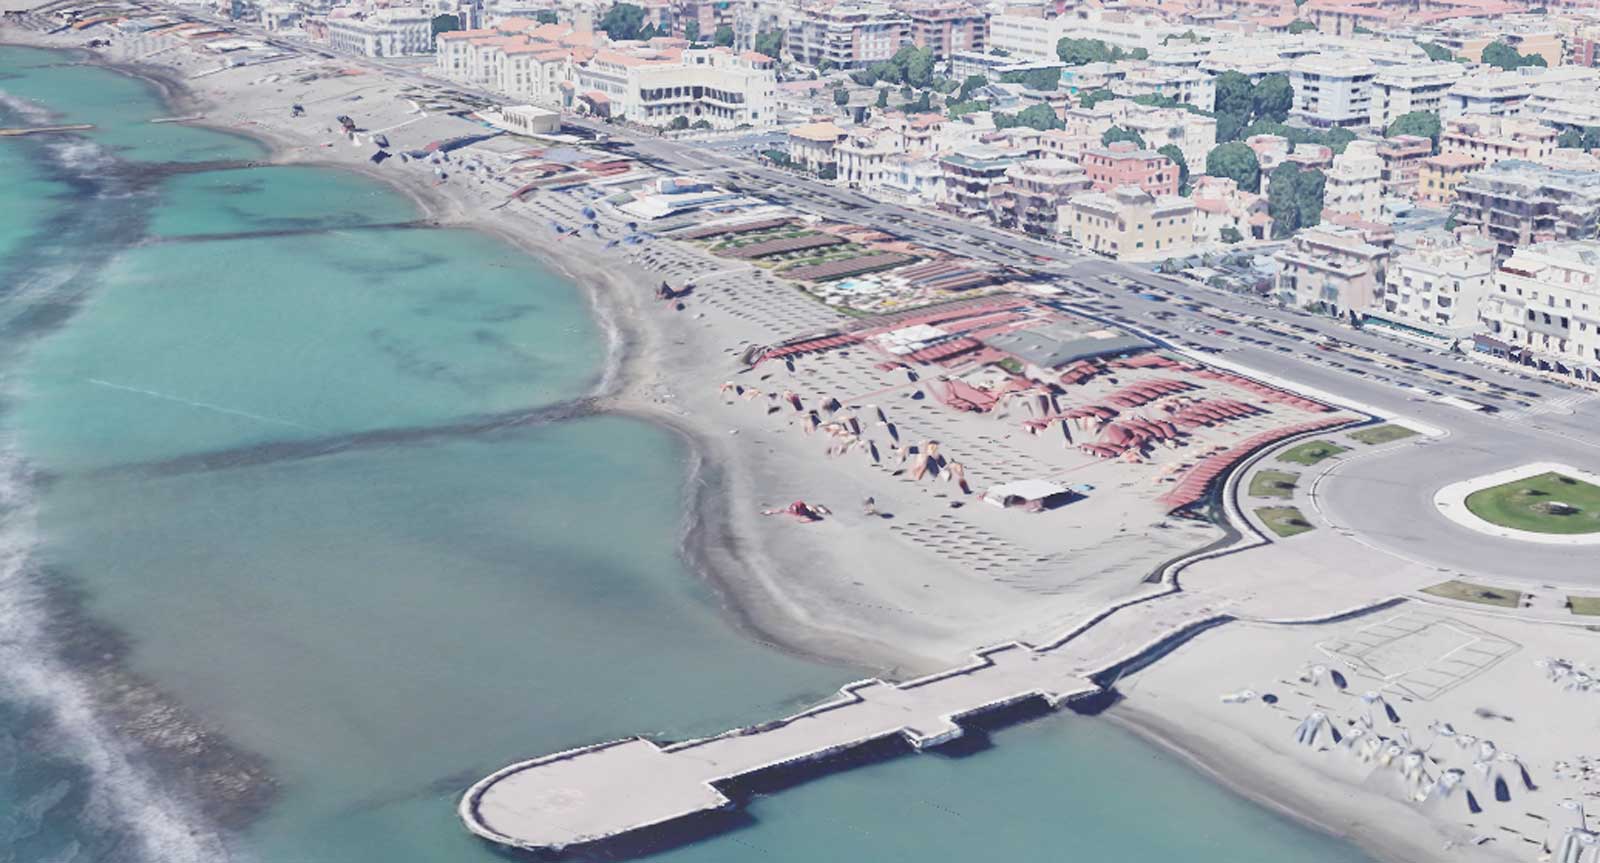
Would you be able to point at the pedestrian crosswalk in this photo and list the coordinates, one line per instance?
(1562, 404)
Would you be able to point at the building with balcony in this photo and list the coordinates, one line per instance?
(1129, 224)
(947, 28)
(812, 146)
(1491, 139)
(1332, 269)
(1400, 90)
(1219, 205)
(847, 35)
(968, 176)
(1518, 203)
(1435, 284)
(1402, 157)
(392, 32)
(1332, 90)
(1355, 182)
(1438, 177)
(1189, 86)
(1123, 164)
(1030, 198)
(1544, 310)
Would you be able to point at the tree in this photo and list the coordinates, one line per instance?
(924, 103)
(445, 23)
(1076, 52)
(971, 85)
(1437, 53)
(679, 123)
(1235, 105)
(1300, 25)
(841, 97)
(1423, 124)
(914, 66)
(865, 77)
(1504, 56)
(545, 16)
(648, 32)
(1236, 161)
(1095, 97)
(1044, 80)
(955, 110)
(1294, 199)
(1172, 152)
(1041, 117)
(691, 31)
(883, 97)
(623, 21)
(1117, 133)
(702, 124)
(1230, 235)
(723, 38)
(828, 172)
(1271, 98)
(769, 42)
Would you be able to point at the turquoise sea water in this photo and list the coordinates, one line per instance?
(300, 456)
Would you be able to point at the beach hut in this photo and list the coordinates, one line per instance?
(1033, 495)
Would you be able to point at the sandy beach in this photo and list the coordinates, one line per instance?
(860, 587)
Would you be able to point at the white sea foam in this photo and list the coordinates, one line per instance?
(121, 794)
(29, 112)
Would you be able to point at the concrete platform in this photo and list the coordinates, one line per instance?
(611, 789)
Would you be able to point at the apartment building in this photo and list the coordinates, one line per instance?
(1188, 86)
(1030, 198)
(812, 146)
(1130, 224)
(969, 175)
(1400, 90)
(863, 157)
(392, 32)
(1330, 268)
(1544, 310)
(1123, 164)
(1402, 157)
(1025, 34)
(1354, 185)
(1506, 93)
(1438, 177)
(846, 35)
(1332, 90)
(1435, 284)
(947, 28)
(1518, 203)
(1491, 139)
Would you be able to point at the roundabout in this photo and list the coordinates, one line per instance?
(1543, 502)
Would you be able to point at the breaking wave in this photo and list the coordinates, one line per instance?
(119, 795)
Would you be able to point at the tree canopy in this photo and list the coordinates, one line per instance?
(1503, 56)
(1241, 103)
(1077, 52)
(769, 42)
(1236, 161)
(723, 37)
(1301, 25)
(1424, 124)
(1117, 133)
(545, 16)
(691, 31)
(1172, 152)
(841, 97)
(445, 23)
(1436, 52)
(623, 21)
(1041, 117)
(962, 107)
(883, 97)
(969, 86)
(1294, 198)
(910, 65)
(1586, 139)
(1229, 234)
(1095, 97)
(1044, 80)
(1335, 139)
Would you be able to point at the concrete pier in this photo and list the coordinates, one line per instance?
(18, 132)
(602, 792)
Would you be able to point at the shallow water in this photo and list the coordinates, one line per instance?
(298, 460)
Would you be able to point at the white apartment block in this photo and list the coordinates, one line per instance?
(1189, 86)
(1027, 37)
(847, 35)
(1491, 139)
(1545, 308)
(383, 33)
(1400, 90)
(1435, 285)
(1355, 181)
(1332, 90)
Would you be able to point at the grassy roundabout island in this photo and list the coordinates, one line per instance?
(1547, 503)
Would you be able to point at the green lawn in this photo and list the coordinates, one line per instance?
(1284, 520)
(1585, 604)
(1547, 503)
(1273, 483)
(1465, 592)
(1382, 434)
(1311, 452)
